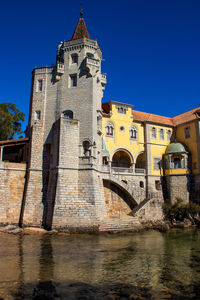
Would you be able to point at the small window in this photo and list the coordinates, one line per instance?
(105, 160)
(187, 132)
(158, 185)
(74, 58)
(153, 133)
(68, 114)
(162, 137)
(121, 110)
(73, 80)
(121, 128)
(40, 85)
(37, 115)
(142, 184)
(156, 163)
(169, 134)
(109, 129)
(133, 133)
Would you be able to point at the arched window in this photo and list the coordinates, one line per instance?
(162, 137)
(169, 134)
(153, 133)
(109, 129)
(86, 148)
(133, 133)
(68, 114)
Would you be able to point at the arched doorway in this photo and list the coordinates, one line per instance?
(141, 161)
(121, 159)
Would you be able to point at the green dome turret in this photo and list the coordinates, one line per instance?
(175, 148)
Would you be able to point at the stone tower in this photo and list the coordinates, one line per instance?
(63, 186)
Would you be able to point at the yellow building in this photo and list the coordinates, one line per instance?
(166, 150)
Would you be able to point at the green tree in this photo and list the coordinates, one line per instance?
(10, 121)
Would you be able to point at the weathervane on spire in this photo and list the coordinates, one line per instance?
(81, 11)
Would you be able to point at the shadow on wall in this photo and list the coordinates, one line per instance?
(49, 175)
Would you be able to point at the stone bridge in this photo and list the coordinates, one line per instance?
(130, 192)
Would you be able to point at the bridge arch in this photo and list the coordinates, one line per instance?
(118, 197)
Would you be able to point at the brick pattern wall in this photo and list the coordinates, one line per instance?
(11, 191)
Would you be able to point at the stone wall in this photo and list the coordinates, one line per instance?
(11, 191)
(177, 187)
(151, 211)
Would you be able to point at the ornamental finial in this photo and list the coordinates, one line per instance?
(81, 11)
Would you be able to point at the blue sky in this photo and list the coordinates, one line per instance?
(151, 48)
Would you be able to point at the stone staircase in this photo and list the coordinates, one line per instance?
(115, 224)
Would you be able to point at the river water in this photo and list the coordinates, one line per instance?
(145, 265)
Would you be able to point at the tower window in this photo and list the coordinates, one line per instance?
(74, 58)
(86, 148)
(40, 85)
(68, 114)
(73, 80)
(37, 115)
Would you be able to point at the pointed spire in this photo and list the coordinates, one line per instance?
(81, 29)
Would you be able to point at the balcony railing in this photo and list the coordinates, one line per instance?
(119, 170)
(45, 70)
(92, 61)
(139, 171)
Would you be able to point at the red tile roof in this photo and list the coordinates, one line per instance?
(142, 116)
(187, 116)
(81, 30)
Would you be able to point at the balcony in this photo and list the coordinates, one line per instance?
(92, 62)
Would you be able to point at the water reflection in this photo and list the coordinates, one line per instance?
(149, 265)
